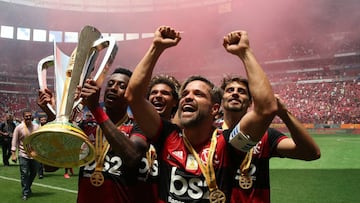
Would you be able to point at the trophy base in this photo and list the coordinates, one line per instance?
(60, 144)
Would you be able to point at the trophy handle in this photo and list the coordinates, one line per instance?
(42, 67)
(59, 62)
(99, 45)
(109, 57)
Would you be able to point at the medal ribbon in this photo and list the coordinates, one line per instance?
(224, 126)
(102, 146)
(208, 170)
(150, 157)
(245, 164)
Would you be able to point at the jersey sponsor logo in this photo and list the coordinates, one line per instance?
(178, 154)
(191, 163)
(185, 188)
(112, 165)
(145, 170)
(149, 168)
(171, 200)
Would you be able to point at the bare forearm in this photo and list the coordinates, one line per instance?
(136, 92)
(164, 38)
(129, 152)
(141, 76)
(259, 85)
(256, 122)
(306, 147)
(50, 116)
(14, 141)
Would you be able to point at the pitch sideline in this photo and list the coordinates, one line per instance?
(41, 185)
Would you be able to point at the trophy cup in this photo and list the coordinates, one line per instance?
(61, 143)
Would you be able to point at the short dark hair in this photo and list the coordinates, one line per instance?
(26, 111)
(234, 78)
(215, 92)
(124, 71)
(42, 115)
(168, 80)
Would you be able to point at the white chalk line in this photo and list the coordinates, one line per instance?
(41, 185)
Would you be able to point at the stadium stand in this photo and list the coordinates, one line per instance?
(320, 82)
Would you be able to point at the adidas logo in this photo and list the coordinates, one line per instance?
(178, 154)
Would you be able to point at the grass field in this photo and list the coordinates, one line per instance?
(334, 178)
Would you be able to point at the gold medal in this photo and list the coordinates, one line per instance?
(217, 196)
(245, 182)
(208, 171)
(97, 178)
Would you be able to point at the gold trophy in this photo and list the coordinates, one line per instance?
(61, 143)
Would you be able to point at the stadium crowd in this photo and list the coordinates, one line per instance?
(319, 91)
(314, 46)
(326, 103)
(335, 102)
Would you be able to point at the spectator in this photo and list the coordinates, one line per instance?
(28, 166)
(6, 130)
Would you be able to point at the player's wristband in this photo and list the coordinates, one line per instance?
(100, 115)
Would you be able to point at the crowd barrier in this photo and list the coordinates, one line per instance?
(324, 128)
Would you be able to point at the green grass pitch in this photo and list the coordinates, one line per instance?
(334, 178)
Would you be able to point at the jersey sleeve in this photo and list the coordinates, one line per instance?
(274, 137)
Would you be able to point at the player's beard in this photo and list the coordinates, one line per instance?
(28, 122)
(234, 108)
(193, 121)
